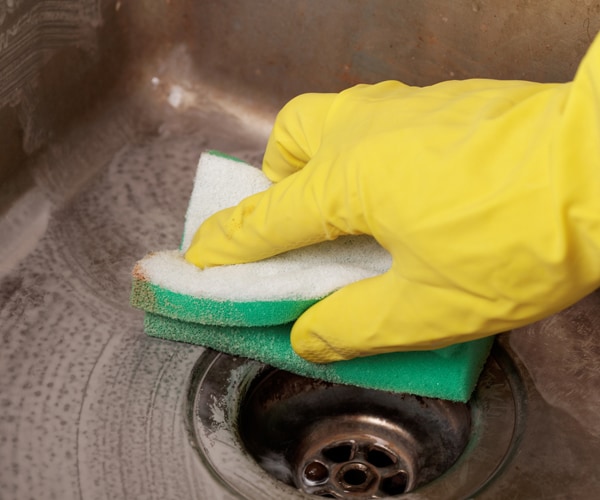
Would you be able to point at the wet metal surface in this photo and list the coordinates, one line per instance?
(90, 407)
(105, 106)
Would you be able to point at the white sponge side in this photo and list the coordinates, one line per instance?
(311, 272)
(220, 182)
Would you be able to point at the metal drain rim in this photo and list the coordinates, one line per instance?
(217, 386)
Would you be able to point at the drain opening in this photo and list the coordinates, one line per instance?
(339, 453)
(355, 476)
(380, 458)
(396, 484)
(337, 441)
(316, 473)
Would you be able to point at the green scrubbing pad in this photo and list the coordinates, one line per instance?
(449, 373)
(247, 309)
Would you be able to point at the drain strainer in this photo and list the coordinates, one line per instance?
(357, 461)
(347, 442)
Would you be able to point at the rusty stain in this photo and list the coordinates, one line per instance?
(347, 75)
(138, 273)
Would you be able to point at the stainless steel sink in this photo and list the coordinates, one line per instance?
(105, 107)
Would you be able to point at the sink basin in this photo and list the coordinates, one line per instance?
(105, 107)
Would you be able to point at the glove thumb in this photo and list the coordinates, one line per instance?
(371, 316)
(343, 325)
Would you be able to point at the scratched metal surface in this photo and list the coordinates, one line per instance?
(89, 406)
(104, 109)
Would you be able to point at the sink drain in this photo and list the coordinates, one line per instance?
(360, 464)
(339, 441)
(269, 434)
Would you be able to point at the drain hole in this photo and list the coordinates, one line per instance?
(355, 477)
(339, 453)
(396, 484)
(380, 458)
(316, 473)
(331, 438)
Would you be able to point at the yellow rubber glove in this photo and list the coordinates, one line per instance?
(486, 193)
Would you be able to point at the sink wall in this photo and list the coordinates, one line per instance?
(61, 60)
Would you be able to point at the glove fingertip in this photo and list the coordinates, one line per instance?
(312, 346)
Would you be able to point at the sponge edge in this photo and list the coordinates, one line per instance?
(153, 298)
(449, 373)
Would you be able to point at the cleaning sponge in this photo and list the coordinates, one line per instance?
(269, 292)
(247, 309)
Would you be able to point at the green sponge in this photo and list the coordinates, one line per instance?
(449, 373)
(247, 309)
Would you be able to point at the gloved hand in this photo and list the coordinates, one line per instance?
(486, 193)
